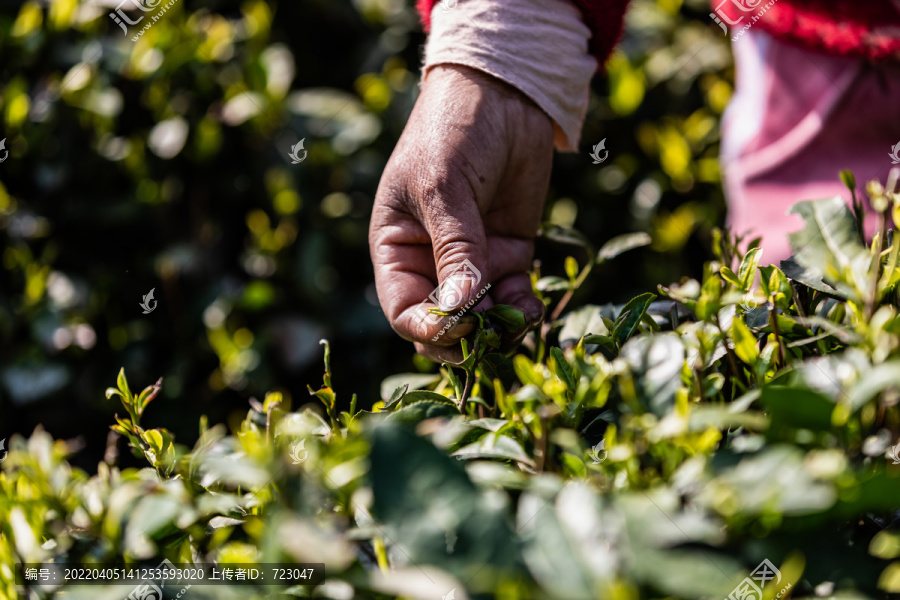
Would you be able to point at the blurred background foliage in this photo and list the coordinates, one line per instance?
(163, 164)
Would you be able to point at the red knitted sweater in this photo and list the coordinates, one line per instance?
(867, 29)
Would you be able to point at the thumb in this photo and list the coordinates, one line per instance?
(460, 253)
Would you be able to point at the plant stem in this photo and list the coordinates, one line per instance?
(545, 328)
(732, 363)
(876, 268)
(562, 304)
(797, 303)
(381, 554)
(774, 321)
(541, 445)
(270, 434)
(567, 297)
(857, 209)
(470, 382)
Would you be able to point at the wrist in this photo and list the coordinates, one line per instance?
(538, 47)
(466, 80)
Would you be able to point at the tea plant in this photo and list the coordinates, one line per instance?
(662, 448)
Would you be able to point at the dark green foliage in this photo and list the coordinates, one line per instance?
(667, 455)
(253, 259)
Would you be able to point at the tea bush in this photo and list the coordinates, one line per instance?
(660, 449)
(164, 164)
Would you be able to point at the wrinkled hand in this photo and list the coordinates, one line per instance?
(466, 182)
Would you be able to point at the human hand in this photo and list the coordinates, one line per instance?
(463, 192)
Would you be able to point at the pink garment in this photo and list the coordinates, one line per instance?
(796, 120)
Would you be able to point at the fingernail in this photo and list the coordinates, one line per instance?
(460, 330)
(536, 319)
(455, 291)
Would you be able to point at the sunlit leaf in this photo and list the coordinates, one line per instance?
(621, 244)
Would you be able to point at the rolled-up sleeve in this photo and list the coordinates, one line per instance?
(540, 47)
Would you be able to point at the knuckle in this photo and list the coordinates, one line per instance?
(438, 188)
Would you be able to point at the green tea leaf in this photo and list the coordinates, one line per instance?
(431, 508)
(809, 278)
(564, 235)
(656, 363)
(879, 379)
(495, 446)
(122, 384)
(414, 381)
(395, 396)
(511, 319)
(494, 425)
(848, 179)
(419, 411)
(631, 316)
(621, 244)
(325, 394)
(146, 396)
(420, 395)
(747, 270)
(687, 293)
(563, 369)
(154, 438)
(585, 320)
(571, 266)
(527, 371)
(828, 245)
(744, 342)
(797, 408)
(326, 378)
(730, 276)
(552, 283)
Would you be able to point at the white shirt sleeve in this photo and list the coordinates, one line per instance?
(538, 46)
